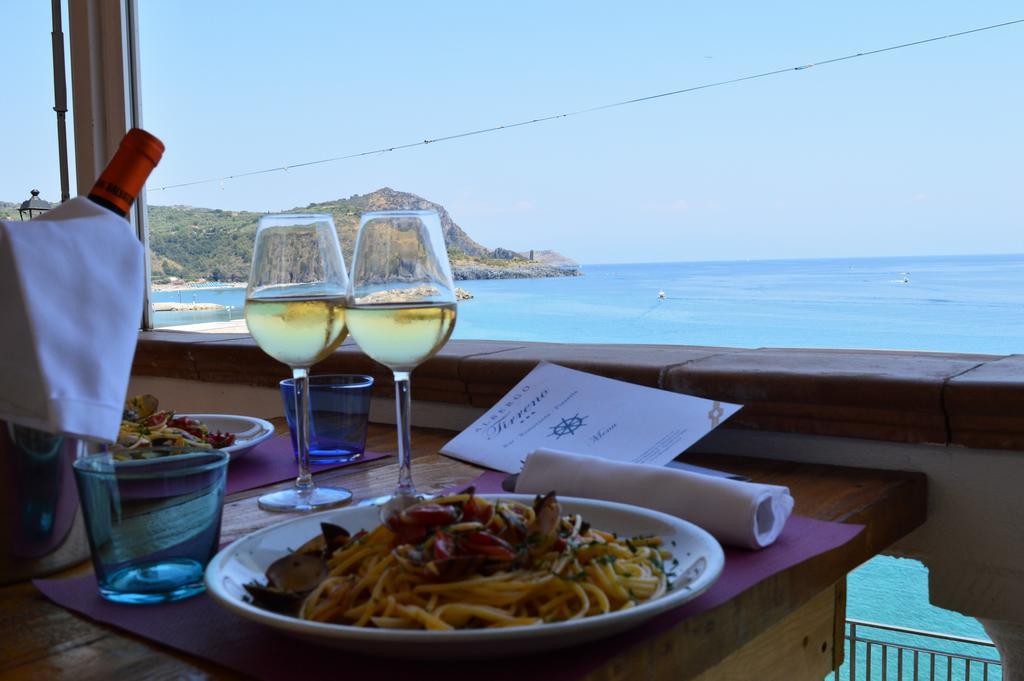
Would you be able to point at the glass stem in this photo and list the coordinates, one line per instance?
(303, 483)
(403, 414)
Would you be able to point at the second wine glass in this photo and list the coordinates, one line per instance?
(401, 310)
(295, 309)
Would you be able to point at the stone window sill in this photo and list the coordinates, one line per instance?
(910, 397)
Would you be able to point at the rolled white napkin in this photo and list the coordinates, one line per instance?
(71, 288)
(744, 514)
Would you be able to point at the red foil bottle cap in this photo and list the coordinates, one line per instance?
(122, 179)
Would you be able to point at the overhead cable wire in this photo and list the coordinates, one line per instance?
(592, 109)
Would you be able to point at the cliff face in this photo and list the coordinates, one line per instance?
(551, 258)
(470, 260)
(389, 199)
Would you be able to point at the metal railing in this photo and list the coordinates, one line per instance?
(900, 655)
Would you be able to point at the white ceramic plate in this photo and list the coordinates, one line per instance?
(248, 431)
(700, 563)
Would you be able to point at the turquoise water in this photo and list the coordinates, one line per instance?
(953, 304)
(950, 304)
(968, 304)
(895, 591)
(233, 299)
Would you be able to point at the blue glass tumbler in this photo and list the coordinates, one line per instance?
(339, 413)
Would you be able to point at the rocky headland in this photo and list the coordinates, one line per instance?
(524, 271)
(190, 244)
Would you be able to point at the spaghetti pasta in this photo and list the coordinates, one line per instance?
(465, 562)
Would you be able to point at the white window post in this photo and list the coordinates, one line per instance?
(105, 90)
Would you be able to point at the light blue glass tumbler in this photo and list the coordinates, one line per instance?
(153, 520)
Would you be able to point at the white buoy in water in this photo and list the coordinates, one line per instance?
(661, 294)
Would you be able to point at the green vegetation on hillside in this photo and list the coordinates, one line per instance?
(216, 245)
(200, 243)
(8, 210)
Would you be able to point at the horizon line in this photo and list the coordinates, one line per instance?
(800, 259)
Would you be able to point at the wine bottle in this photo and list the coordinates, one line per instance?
(122, 179)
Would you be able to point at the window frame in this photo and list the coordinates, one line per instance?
(107, 100)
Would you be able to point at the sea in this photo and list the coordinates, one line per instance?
(941, 303)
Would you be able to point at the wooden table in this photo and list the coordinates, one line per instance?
(788, 627)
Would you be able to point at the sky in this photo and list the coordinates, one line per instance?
(910, 152)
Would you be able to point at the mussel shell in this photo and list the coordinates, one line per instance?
(284, 602)
(331, 538)
(516, 527)
(335, 536)
(315, 545)
(297, 573)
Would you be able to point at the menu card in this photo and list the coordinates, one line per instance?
(559, 408)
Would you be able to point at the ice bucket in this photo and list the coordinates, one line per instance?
(41, 529)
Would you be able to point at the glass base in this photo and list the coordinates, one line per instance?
(317, 499)
(319, 457)
(162, 582)
(393, 503)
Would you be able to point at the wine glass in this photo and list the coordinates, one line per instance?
(295, 309)
(401, 311)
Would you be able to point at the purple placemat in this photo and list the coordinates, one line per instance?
(199, 627)
(272, 461)
(485, 483)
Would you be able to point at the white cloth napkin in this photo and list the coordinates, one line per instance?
(71, 288)
(744, 514)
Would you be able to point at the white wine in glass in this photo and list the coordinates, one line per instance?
(296, 331)
(401, 311)
(295, 309)
(402, 336)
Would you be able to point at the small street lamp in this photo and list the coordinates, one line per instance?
(33, 207)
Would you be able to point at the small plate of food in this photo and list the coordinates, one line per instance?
(144, 426)
(466, 575)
